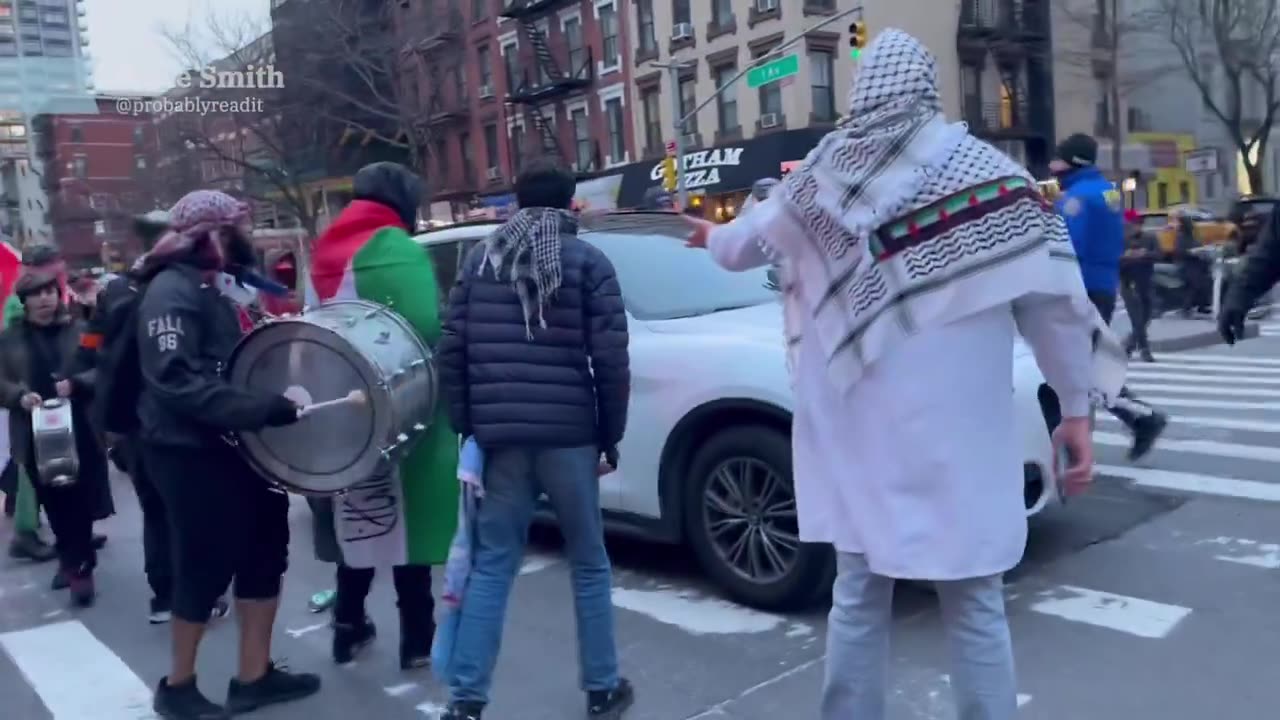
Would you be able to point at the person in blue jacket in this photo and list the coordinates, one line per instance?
(1094, 211)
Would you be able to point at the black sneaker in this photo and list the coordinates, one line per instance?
(416, 636)
(1147, 357)
(83, 591)
(610, 704)
(351, 638)
(1146, 430)
(60, 581)
(185, 702)
(160, 612)
(463, 711)
(29, 546)
(276, 686)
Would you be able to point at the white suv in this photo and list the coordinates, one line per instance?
(708, 432)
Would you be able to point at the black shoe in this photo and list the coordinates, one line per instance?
(99, 541)
(351, 638)
(1147, 356)
(463, 711)
(610, 704)
(416, 636)
(276, 686)
(185, 702)
(59, 581)
(1146, 430)
(160, 613)
(83, 591)
(29, 546)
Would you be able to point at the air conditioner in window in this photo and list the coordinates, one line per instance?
(770, 120)
(486, 91)
(682, 31)
(493, 174)
(766, 5)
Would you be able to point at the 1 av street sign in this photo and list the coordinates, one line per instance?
(783, 67)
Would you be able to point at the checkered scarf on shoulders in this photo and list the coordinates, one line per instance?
(525, 251)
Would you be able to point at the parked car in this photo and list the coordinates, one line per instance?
(709, 429)
(1210, 229)
(1250, 213)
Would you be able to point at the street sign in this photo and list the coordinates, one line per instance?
(1202, 162)
(671, 148)
(783, 67)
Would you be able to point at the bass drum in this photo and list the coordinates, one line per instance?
(321, 356)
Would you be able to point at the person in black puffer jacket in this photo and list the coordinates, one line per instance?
(534, 365)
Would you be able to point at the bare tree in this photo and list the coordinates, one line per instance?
(1112, 34)
(1230, 50)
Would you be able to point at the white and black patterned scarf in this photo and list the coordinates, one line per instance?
(895, 160)
(525, 251)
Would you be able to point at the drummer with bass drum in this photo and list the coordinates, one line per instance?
(228, 523)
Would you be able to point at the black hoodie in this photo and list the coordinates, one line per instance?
(393, 185)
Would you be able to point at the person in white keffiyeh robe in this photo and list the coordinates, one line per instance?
(910, 255)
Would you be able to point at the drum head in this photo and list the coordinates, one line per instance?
(325, 452)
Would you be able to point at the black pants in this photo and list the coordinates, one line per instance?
(1197, 283)
(1106, 304)
(9, 486)
(225, 524)
(156, 558)
(413, 594)
(1135, 288)
(70, 511)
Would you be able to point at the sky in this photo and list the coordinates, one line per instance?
(127, 38)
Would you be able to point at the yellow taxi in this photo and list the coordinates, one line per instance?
(1210, 229)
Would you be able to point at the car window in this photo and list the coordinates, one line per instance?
(444, 256)
(1154, 222)
(663, 279)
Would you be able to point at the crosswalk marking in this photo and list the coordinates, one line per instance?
(76, 676)
(1217, 423)
(1163, 401)
(1246, 552)
(1204, 447)
(1194, 483)
(1137, 374)
(1244, 392)
(1236, 361)
(1135, 616)
(1234, 370)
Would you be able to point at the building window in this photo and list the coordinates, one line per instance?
(140, 162)
(468, 170)
(644, 20)
(511, 62)
(649, 100)
(139, 135)
(479, 10)
(517, 148)
(722, 13)
(1184, 191)
(727, 100)
(442, 160)
(77, 134)
(617, 130)
(573, 40)
(581, 138)
(609, 35)
(485, 65)
(688, 101)
(491, 146)
(460, 82)
(680, 12)
(771, 98)
(1162, 195)
(821, 74)
(80, 166)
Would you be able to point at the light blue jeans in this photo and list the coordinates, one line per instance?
(982, 675)
(513, 480)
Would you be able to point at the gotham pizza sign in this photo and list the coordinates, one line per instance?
(703, 168)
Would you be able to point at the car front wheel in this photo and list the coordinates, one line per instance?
(741, 521)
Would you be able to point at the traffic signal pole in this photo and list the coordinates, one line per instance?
(673, 74)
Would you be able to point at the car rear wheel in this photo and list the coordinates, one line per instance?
(741, 521)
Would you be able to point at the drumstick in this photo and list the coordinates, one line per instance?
(355, 397)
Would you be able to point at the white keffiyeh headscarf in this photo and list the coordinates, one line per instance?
(525, 251)
(901, 222)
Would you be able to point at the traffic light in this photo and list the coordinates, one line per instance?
(857, 38)
(669, 174)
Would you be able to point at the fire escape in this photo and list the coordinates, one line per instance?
(541, 90)
(1015, 112)
(445, 108)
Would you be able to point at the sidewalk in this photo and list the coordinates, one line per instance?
(1173, 334)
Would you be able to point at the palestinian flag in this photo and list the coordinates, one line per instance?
(366, 254)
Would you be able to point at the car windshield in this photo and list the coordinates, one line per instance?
(663, 279)
(1154, 222)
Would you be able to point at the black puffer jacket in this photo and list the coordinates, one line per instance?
(567, 387)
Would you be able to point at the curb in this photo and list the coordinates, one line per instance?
(1204, 338)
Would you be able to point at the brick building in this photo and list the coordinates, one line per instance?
(98, 172)
(498, 81)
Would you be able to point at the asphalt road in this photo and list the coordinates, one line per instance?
(1153, 597)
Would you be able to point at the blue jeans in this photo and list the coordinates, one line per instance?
(982, 672)
(513, 480)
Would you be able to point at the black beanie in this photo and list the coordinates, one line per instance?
(1079, 150)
